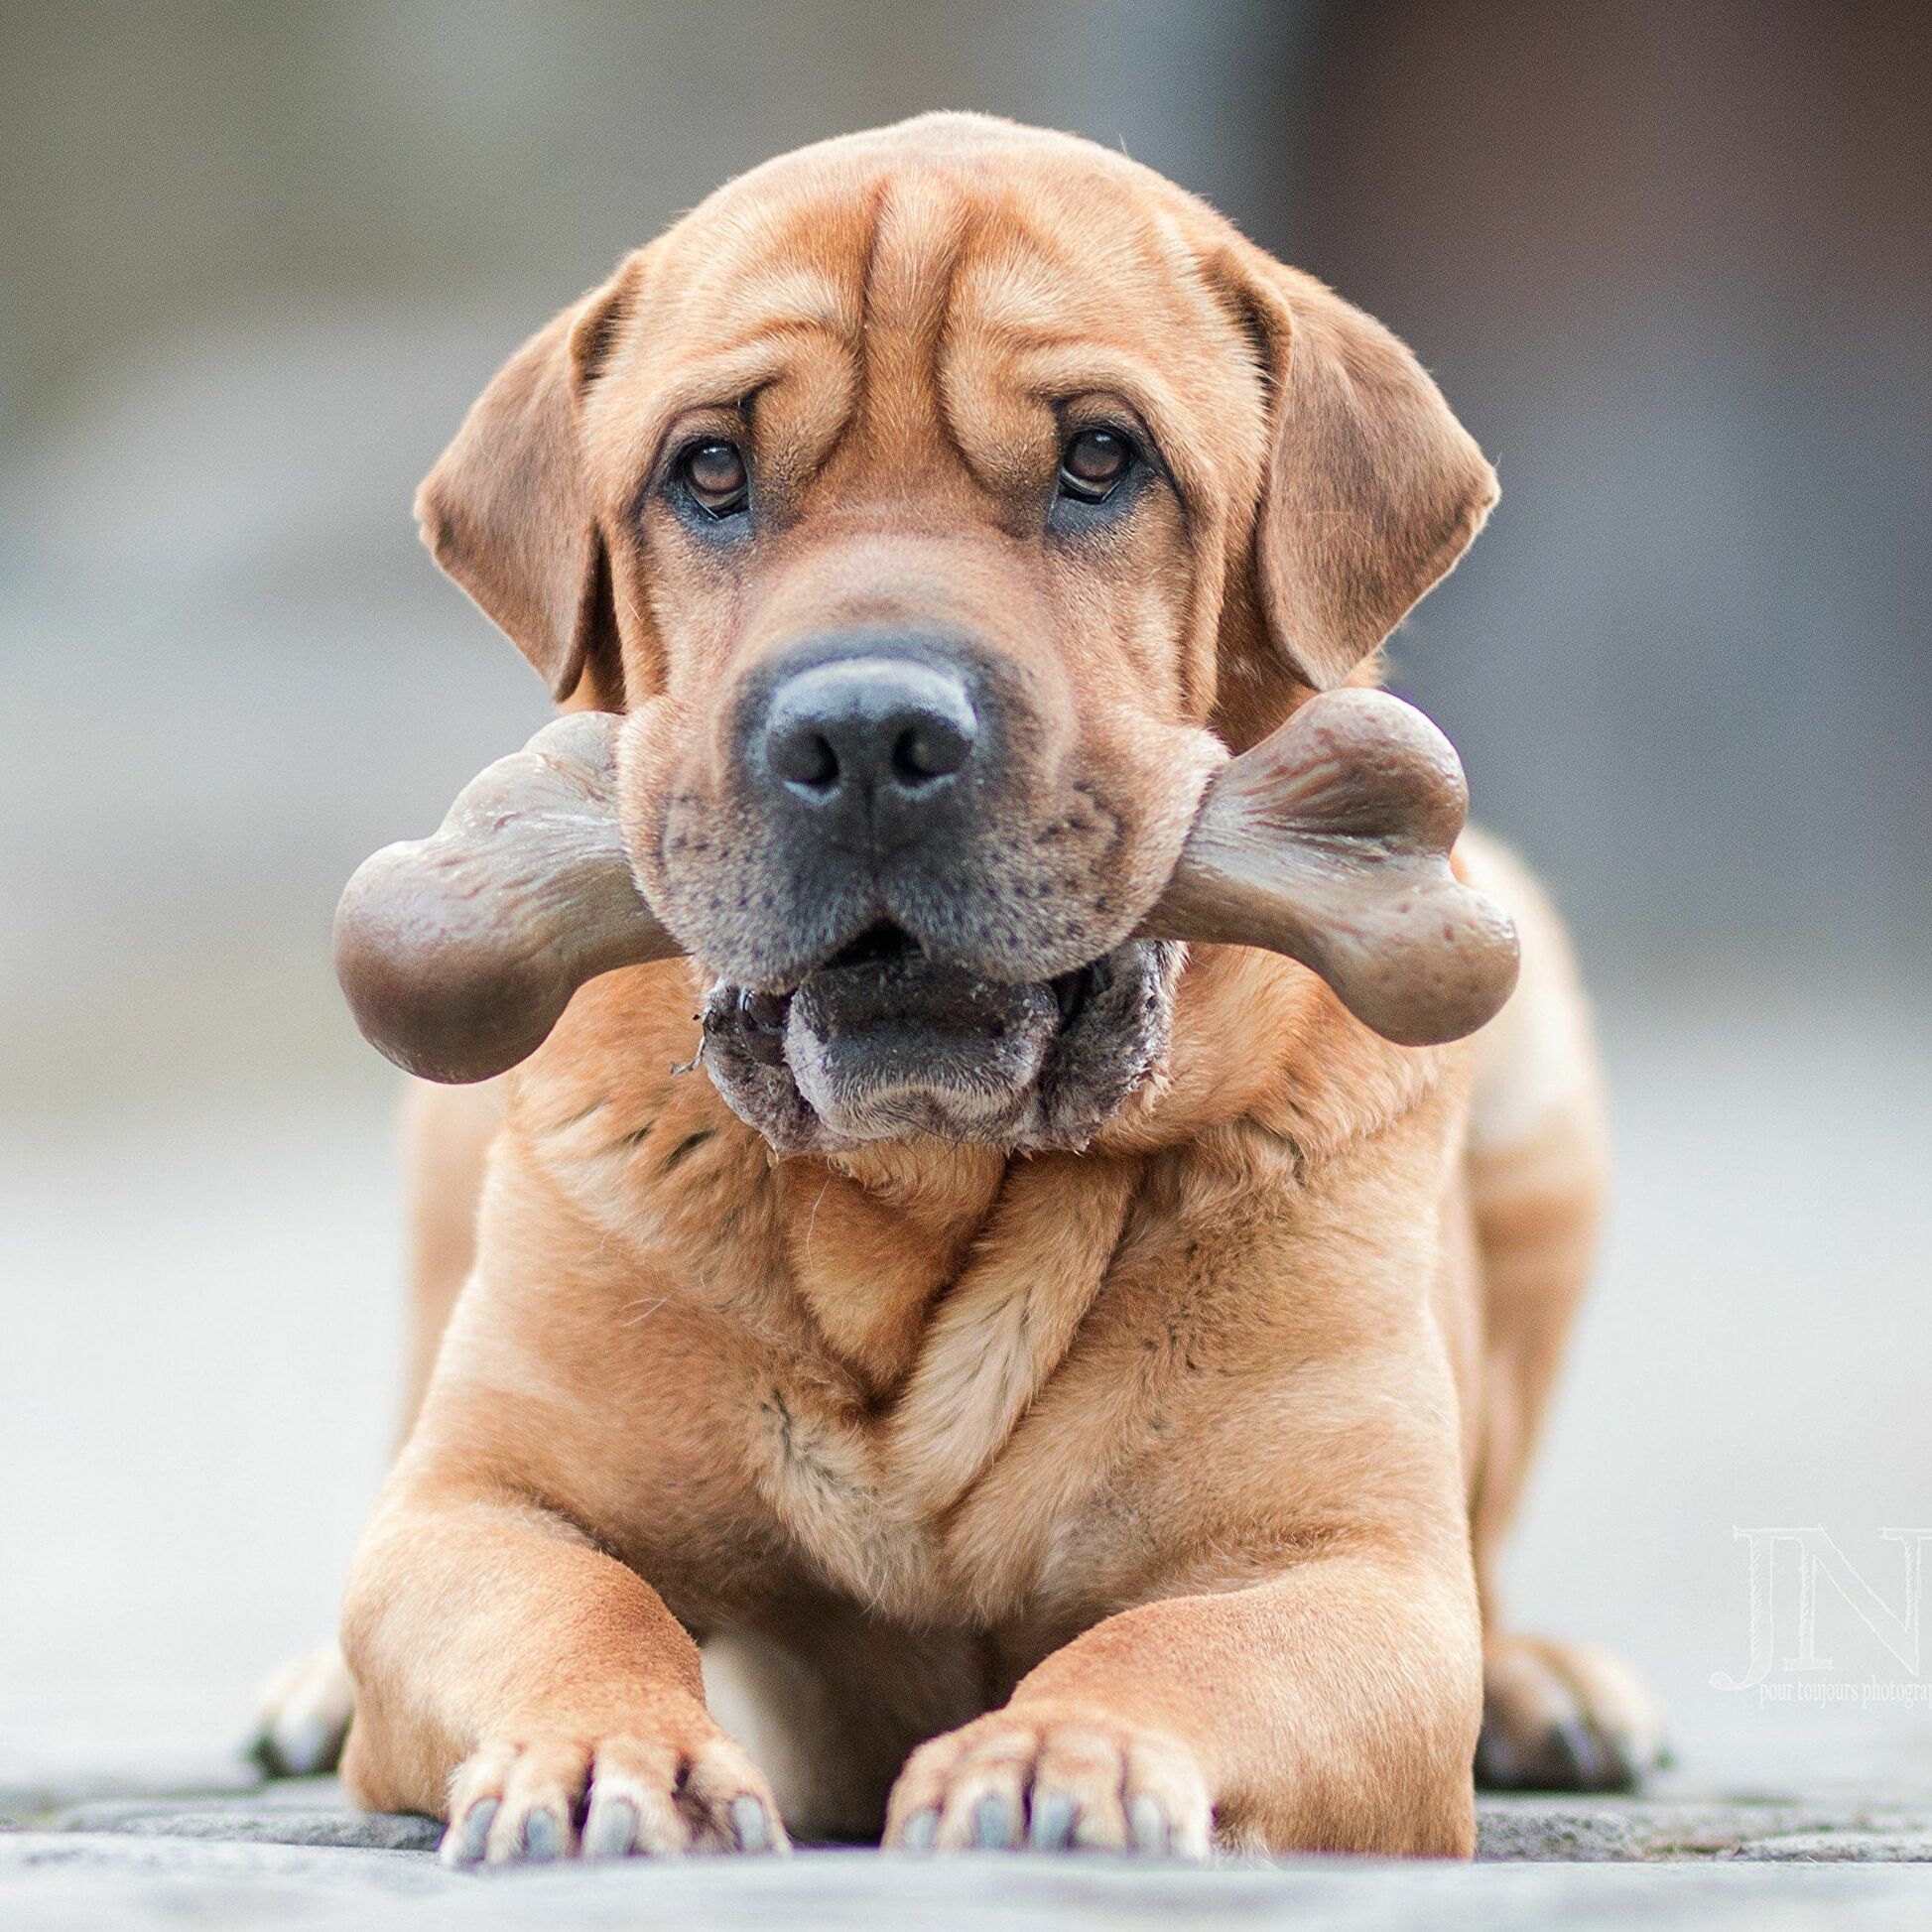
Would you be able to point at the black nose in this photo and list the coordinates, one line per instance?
(872, 746)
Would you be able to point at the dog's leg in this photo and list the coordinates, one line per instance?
(1557, 1716)
(305, 1711)
(1332, 1708)
(534, 1692)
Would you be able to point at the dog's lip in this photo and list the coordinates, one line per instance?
(883, 943)
(883, 947)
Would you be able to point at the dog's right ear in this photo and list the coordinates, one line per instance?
(507, 509)
(1373, 488)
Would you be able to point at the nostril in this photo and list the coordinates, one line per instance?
(933, 748)
(803, 756)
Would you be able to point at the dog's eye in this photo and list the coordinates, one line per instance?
(1093, 461)
(715, 473)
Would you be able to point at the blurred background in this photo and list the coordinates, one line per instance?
(1671, 263)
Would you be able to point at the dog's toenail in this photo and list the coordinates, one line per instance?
(1147, 1824)
(1577, 1752)
(302, 1748)
(541, 1841)
(920, 1830)
(1053, 1822)
(1497, 1766)
(465, 1842)
(995, 1823)
(610, 1830)
(751, 1824)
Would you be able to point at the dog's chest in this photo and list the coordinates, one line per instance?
(936, 1511)
(1037, 1375)
(928, 1383)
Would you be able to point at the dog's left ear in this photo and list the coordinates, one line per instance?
(1373, 489)
(507, 509)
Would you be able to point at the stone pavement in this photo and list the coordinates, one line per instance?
(237, 1853)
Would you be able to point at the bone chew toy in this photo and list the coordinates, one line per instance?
(1327, 842)
(459, 953)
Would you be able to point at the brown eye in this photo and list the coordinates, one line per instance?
(715, 472)
(1093, 461)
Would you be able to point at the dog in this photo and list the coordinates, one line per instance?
(934, 1365)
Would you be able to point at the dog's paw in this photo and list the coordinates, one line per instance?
(560, 1795)
(305, 1715)
(1051, 1781)
(1561, 1717)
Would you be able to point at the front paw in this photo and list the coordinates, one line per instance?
(1052, 1780)
(557, 1794)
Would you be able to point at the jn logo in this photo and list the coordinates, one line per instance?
(1819, 1558)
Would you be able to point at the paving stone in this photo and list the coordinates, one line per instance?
(282, 1819)
(1630, 1830)
(34, 1783)
(78, 1881)
(1515, 1828)
(294, 1852)
(858, 1893)
(1512, 1829)
(1841, 1847)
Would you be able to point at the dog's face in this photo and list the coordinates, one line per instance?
(940, 504)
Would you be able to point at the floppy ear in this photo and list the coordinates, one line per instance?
(1372, 490)
(507, 510)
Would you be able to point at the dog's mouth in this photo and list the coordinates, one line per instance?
(880, 969)
(884, 1041)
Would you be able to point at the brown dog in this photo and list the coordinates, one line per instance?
(1070, 1389)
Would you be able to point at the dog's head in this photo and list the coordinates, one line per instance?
(942, 504)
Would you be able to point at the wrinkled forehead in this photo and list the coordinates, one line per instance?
(905, 287)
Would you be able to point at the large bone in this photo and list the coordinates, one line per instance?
(1329, 841)
(459, 953)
